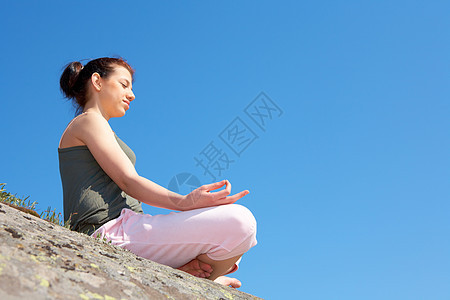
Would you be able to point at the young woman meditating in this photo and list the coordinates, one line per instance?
(103, 192)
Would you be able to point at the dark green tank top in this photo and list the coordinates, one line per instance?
(91, 197)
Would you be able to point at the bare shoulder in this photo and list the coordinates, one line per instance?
(84, 128)
(91, 121)
(92, 126)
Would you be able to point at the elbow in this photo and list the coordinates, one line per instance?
(127, 183)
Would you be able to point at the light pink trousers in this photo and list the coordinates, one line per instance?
(220, 232)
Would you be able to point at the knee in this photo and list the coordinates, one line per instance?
(234, 231)
(240, 220)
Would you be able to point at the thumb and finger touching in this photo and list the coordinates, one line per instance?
(222, 196)
(217, 185)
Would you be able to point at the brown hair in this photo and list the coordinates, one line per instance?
(75, 77)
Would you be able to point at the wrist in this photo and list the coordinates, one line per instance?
(176, 200)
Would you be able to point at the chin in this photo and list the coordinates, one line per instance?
(119, 114)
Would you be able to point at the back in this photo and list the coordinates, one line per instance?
(91, 197)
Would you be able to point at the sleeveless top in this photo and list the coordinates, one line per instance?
(91, 197)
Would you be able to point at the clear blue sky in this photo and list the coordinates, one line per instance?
(350, 185)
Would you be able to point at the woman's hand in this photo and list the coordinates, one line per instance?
(203, 197)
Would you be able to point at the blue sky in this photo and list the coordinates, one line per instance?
(349, 185)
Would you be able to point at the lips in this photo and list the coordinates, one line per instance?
(127, 103)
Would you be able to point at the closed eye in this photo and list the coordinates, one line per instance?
(125, 83)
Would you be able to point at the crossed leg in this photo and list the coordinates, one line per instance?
(212, 238)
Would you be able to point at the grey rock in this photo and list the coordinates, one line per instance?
(41, 260)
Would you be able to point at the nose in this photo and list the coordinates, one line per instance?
(131, 96)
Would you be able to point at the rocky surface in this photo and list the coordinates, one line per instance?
(41, 260)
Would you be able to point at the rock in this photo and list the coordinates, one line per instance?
(41, 260)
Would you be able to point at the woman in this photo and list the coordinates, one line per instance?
(103, 192)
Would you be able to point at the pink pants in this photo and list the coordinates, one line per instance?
(220, 232)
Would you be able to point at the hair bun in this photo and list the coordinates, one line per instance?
(69, 78)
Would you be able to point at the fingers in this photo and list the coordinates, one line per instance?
(222, 196)
(215, 185)
(223, 193)
(235, 197)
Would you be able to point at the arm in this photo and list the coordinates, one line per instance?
(94, 131)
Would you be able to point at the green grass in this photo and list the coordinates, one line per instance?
(27, 206)
(9, 198)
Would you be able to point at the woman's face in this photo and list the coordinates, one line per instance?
(116, 93)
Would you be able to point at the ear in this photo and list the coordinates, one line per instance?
(96, 80)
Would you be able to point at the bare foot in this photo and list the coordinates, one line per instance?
(233, 282)
(197, 268)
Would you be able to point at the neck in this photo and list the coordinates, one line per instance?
(92, 106)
